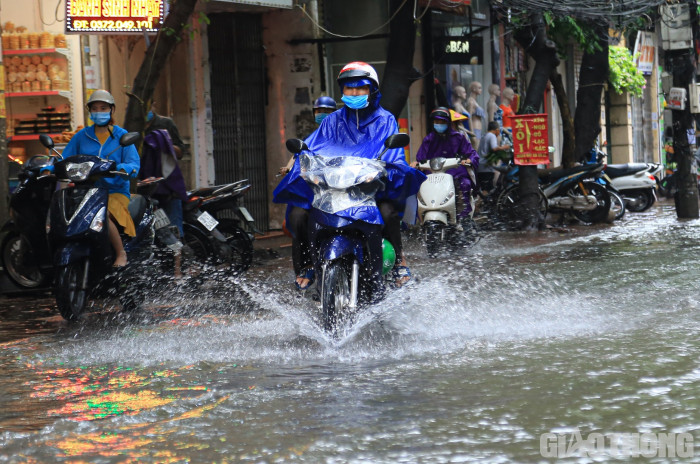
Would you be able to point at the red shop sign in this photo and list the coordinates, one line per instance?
(530, 139)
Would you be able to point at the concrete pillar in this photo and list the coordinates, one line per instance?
(620, 137)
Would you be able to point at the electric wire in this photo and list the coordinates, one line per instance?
(342, 36)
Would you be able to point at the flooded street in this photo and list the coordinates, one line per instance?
(593, 330)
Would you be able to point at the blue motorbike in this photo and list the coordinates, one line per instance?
(345, 250)
(78, 234)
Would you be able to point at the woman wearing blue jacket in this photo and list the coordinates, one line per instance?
(102, 140)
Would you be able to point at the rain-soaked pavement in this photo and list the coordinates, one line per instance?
(511, 351)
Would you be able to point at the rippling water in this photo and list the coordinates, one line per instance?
(522, 335)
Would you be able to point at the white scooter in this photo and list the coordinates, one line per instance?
(636, 184)
(437, 207)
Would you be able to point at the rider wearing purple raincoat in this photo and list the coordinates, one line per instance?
(446, 142)
(358, 129)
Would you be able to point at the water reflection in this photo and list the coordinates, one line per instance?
(524, 334)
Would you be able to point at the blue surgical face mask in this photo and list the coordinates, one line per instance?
(356, 102)
(149, 116)
(320, 117)
(100, 119)
(440, 128)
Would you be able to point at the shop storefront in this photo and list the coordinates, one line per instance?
(41, 80)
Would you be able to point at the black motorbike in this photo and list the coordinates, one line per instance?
(78, 236)
(24, 248)
(215, 226)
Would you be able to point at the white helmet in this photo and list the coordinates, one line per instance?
(357, 71)
(100, 96)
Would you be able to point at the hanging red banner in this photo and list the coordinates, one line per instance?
(530, 139)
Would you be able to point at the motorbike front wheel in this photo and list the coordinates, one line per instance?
(617, 204)
(198, 247)
(18, 259)
(71, 294)
(433, 237)
(600, 213)
(511, 213)
(335, 294)
(639, 200)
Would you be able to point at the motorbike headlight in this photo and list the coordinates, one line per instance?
(437, 163)
(340, 179)
(79, 171)
(98, 221)
(448, 197)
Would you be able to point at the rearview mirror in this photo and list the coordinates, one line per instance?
(296, 146)
(397, 141)
(46, 141)
(129, 138)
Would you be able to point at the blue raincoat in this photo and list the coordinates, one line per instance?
(348, 132)
(127, 158)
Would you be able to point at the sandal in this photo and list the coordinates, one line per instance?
(399, 273)
(305, 274)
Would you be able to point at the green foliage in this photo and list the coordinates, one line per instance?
(561, 29)
(624, 75)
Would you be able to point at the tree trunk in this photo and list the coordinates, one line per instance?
(681, 64)
(593, 75)
(536, 44)
(567, 122)
(4, 170)
(398, 72)
(154, 62)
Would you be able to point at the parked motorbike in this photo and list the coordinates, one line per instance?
(342, 247)
(637, 185)
(220, 202)
(78, 235)
(570, 190)
(437, 207)
(636, 182)
(25, 249)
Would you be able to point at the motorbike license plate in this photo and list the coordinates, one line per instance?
(161, 219)
(246, 214)
(208, 221)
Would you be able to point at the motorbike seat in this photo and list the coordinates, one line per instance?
(137, 207)
(619, 170)
(552, 174)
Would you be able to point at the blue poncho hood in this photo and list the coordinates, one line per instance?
(355, 133)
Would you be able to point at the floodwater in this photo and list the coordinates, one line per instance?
(586, 333)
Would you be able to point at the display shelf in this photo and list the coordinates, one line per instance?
(36, 51)
(24, 138)
(63, 93)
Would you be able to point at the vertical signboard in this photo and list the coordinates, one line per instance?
(644, 51)
(530, 139)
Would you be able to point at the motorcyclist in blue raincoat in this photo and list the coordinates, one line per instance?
(358, 129)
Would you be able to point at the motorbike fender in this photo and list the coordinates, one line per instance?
(341, 245)
(70, 253)
(437, 216)
(9, 226)
(437, 197)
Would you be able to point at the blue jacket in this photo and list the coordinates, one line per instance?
(361, 133)
(127, 158)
